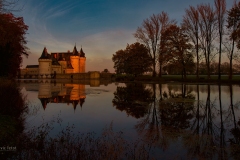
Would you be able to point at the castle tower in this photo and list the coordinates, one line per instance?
(75, 60)
(82, 61)
(63, 63)
(45, 64)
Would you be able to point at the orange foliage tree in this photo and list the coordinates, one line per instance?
(12, 44)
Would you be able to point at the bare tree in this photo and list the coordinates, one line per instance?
(207, 25)
(165, 22)
(233, 24)
(229, 48)
(191, 25)
(220, 6)
(150, 34)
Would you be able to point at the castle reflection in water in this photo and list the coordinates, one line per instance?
(52, 91)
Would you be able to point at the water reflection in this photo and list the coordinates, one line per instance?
(13, 110)
(61, 93)
(64, 91)
(204, 127)
(188, 121)
(197, 116)
(133, 99)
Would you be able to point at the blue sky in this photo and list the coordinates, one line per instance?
(101, 27)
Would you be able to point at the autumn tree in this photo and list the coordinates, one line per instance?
(191, 25)
(119, 60)
(12, 44)
(150, 35)
(207, 25)
(220, 6)
(177, 48)
(233, 25)
(133, 60)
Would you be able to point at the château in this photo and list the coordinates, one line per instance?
(57, 63)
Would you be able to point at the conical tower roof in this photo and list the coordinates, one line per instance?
(75, 52)
(82, 54)
(45, 54)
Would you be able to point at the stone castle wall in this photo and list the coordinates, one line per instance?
(88, 75)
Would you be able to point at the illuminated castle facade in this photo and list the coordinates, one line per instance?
(57, 63)
(62, 62)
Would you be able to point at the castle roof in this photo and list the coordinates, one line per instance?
(82, 54)
(75, 52)
(55, 61)
(60, 58)
(45, 54)
(32, 66)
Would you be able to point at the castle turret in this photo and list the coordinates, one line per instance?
(75, 60)
(45, 64)
(82, 61)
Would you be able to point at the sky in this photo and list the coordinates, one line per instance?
(100, 27)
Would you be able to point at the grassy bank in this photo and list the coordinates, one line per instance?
(178, 78)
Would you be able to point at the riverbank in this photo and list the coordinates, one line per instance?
(178, 78)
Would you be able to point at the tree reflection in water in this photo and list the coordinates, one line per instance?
(202, 125)
(201, 139)
(187, 115)
(172, 112)
(133, 99)
(235, 131)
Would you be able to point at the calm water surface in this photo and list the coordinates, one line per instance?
(177, 120)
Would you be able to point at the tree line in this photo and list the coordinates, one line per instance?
(204, 32)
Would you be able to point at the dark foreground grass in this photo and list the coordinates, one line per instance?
(37, 144)
(67, 145)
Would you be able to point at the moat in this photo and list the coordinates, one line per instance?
(176, 120)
